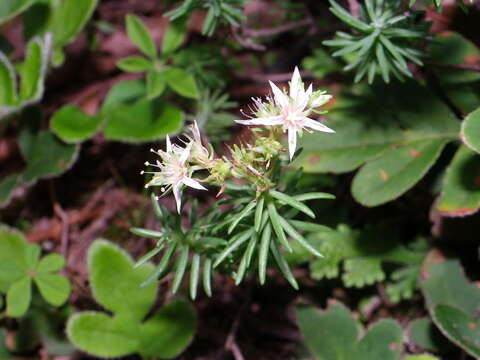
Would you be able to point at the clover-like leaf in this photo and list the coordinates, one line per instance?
(18, 297)
(116, 285)
(53, 287)
(72, 125)
(471, 130)
(460, 193)
(334, 334)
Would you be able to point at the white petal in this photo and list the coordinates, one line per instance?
(292, 141)
(274, 120)
(303, 100)
(295, 84)
(321, 100)
(315, 125)
(178, 196)
(185, 153)
(195, 130)
(169, 144)
(280, 98)
(193, 183)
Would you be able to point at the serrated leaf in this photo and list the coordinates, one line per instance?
(48, 157)
(18, 297)
(140, 36)
(394, 172)
(116, 284)
(100, 335)
(460, 194)
(334, 334)
(361, 272)
(172, 327)
(181, 82)
(471, 130)
(72, 125)
(134, 64)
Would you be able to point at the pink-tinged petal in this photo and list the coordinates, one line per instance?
(303, 100)
(315, 125)
(186, 153)
(280, 98)
(292, 141)
(267, 121)
(178, 196)
(192, 183)
(295, 84)
(169, 144)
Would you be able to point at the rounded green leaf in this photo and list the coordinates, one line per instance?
(116, 284)
(460, 193)
(72, 125)
(143, 120)
(13, 258)
(134, 64)
(138, 33)
(18, 297)
(394, 172)
(102, 336)
(460, 328)
(50, 263)
(121, 93)
(169, 331)
(48, 157)
(471, 130)
(11, 8)
(54, 288)
(181, 82)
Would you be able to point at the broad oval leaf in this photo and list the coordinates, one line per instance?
(135, 64)
(18, 297)
(54, 288)
(181, 82)
(471, 130)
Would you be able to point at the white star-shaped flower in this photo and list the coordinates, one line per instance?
(174, 172)
(291, 111)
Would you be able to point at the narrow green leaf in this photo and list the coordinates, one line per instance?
(263, 253)
(314, 196)
(134, 64)
(283, 265)
(293, 202)
(8, 88)
(156, 207)
(140, 36)
(180, 268)
(162, 265)
(147, 233)
(194, 275)
(148, 256)
(245, 211)
(174, 35)
(207, 276)
(275, 221)
(295, 235)
(31, 84)
(246, 258)
(307, 226)
(234, 243)
(259, 213)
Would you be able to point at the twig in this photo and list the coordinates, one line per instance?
(63, 215)
(247, 42)
(276, 30)
(260, 77)
(468, 67)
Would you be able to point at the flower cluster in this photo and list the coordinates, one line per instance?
(282, 112)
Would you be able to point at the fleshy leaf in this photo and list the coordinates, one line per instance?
(460, 194)
(72, 125)
(8, 89)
